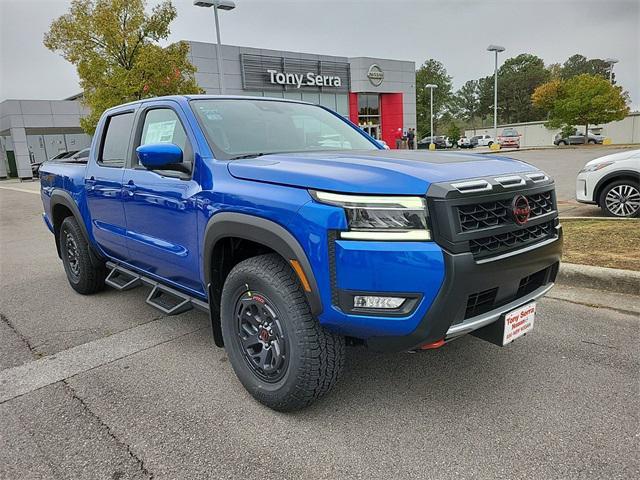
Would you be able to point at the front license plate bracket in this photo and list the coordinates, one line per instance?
(521, 320)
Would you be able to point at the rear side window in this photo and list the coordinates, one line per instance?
(116, 140)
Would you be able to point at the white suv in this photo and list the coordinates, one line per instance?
(484, 140)
(613, 183)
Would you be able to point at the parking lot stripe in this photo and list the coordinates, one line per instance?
(23, 190)
(17, 381)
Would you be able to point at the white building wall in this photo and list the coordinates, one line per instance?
(535, 134)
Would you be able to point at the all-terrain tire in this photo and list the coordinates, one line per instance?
(83, 276)
(315, 357)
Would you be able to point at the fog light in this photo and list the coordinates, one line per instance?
(362, 301)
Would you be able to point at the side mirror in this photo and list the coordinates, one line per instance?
(159, 155)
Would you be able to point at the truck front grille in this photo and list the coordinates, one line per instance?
(501, 243)
(478, 216)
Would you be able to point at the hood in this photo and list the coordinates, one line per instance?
(374, 172)
(615, 157)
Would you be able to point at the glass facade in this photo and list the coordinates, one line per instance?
(369, 113)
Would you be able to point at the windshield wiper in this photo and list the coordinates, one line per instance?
(248, 155)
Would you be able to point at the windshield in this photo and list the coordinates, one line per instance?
(242, 128)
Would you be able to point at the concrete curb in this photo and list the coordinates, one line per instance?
(599, 278)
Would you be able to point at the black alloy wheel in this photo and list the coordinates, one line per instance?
(85, 275)
(261, 336)
(281, 354)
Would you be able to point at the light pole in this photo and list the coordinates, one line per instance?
(222, 5)
(431, 86)
(611, 62)
(496, 49)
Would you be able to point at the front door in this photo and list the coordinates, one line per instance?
(159, 205)
(103, 185)
(372, 130)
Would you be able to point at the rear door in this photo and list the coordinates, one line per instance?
(103, 184)
(160, 207)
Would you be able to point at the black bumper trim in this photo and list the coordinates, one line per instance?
(465, 276)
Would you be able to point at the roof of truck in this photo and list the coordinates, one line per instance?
(186, 98)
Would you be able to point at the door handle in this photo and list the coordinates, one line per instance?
(91, 183)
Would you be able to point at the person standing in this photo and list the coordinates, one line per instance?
(411, 136)
(398, 138)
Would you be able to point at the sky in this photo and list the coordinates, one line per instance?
(453, 32)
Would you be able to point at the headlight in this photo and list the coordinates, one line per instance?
(596, 166)
(379, 217)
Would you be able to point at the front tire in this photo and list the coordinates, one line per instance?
(279, 351)
(621, 199)
(83, 276)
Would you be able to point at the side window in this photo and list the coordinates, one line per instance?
(116, 140)
(162, 125)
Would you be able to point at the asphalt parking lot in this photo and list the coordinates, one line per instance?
(108, 387)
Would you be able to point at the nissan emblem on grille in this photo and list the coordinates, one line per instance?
(520, 209)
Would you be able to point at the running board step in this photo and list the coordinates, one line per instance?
(168, 300)
(121, 279)
(162, 297)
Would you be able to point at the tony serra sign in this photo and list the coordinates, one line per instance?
(264, 72)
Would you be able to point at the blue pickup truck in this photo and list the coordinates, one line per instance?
(299, 234)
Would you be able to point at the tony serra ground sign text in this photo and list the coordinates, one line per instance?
(264, 72)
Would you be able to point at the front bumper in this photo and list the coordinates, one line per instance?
(503, 280)
(583, 189)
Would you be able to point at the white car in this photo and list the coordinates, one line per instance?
(484, 140)
(613, 183)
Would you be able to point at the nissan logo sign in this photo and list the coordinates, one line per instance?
(520, 209)
(375, 75)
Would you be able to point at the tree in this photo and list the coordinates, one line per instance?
(431, 72)
(453, 132)
(582, 100)
(518, 77)
(578, 64)
(468, 102)
(485, 98)
(113, 44)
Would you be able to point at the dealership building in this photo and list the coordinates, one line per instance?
(377, 94)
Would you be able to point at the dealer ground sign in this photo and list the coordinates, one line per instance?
(264, 72)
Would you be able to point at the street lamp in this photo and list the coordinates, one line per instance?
(611, 62)
(431, 86)
(222, 5)
(496, 49)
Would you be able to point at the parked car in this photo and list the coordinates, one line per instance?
(510, 138)
(465, 142)
(613, 183)
(35, 166)
(483, 140)
(578, 139)
(296, 249)
(439, 141)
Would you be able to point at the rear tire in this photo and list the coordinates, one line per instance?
(279, 351)
(611, 199)
(83, 276)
